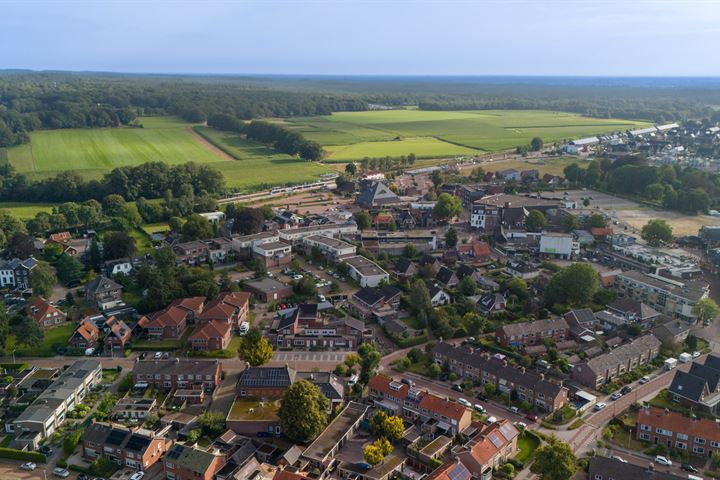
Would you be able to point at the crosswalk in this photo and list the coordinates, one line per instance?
(309, 356)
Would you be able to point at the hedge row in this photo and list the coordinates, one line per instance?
(15, 454)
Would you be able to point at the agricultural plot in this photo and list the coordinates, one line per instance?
(353, 135)
(25, 211)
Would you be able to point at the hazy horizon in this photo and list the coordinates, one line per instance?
(400, 38)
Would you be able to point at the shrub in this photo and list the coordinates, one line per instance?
(15, 454)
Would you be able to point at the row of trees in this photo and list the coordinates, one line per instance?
(284, 140)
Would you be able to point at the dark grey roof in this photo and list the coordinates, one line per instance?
(488, 301)
(671, 329)
(328, 383)
(608, 468)
(404, 265)
(464, 270)
(707, 373)
(688, 386)
(176, 366)
(712, 361)
(377, 194)
(267, 377)
(369, 295)
(101, 284)
(583, 316)
(445, 275)
(623, 353)
(538, 326)
(191, 458)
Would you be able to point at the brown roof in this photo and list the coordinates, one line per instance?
(218, 311)
(88, 330)
(167, 317)
(601, 232)
(443, 407)
(286, 475)
(677, 423)
(38, 307)
(60, 237)
(191, 304)
(211, 329)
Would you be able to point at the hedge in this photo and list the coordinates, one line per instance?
(15, 454)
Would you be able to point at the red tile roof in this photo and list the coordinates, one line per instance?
(192, 304)
(485, 449)
(60, 237)
(211, 329)
(601, 232)
(678, 423)
(38, 308)
(169, 316)
(88, 330)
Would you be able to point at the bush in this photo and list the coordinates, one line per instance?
(14, 454)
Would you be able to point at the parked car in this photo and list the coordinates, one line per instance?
(490, 420)
(626, 389)
(615, 396)
(514, 410)
(532, 417)
(457, 387)
(644, 380)
(137, 476)
(143, 355)
(464, 402)
(408, 382)
(479, 408)
(659, 459)
(45, 450)
(60, 472)
(600, 406)
(29, 466)
(689, 468)
(520, 425)
(695, 354)
(158, 355)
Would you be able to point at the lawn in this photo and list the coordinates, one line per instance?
(96, 150)
(26, 211)
(527, 443)
(53, 336)
(146, 344)
(151, 228)
(448, 133)
(252, 409)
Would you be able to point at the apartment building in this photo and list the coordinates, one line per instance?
(296, 235)
(138, 449)
(167, 324)
(333, 249)
(433, 413)
(467, 362)
(49, 410)
(673, 297)
(228, 307)
(610, 365)
(366, 272)
(304, 327)
(178, 373)
(532, 333)
(273, 254)
(698, 436)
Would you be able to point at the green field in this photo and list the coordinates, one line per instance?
(25, 211)
(353, 135)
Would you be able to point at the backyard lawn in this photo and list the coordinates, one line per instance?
(57, 336)
(527, 443)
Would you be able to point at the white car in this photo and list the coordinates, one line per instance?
(464, 402)
(695, 354)
(520, 425)
(479, 408)
(60, 472)
(158, 355)
(29, 466)
(659, 459)
(600, 406)
(137, 476)
(644, 379)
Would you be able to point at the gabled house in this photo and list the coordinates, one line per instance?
(699, 387)
(474, 251)
(447, 277)
(370, 301)
(44, 314)
(137, 449)
(229, 307)
(522, 270)
(405, 269)
(179, 373)
(430, 261)
(532, 333)
(104, 292)
(86, 335)
(187, 463)
(15, 273)
(211, 335)
(635, 311)
(675, 331)
(491, 303)
(117, 334)
(167, 324)
(438, 296)
(192, 305)
(376, 194)
(61, 238)
(120, 265)
(493, 445)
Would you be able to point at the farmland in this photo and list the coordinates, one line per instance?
(353, 135)
(25, 211)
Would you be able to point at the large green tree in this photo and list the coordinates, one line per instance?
(362, 220)
(68, 269)
(419, 297)
(42, 279)
(303, 412)
(573, 286)
(595, 221)
(447, 207)
(197, 227)
(118, 245)
(27, 332)
(451, 238)
(706, 310)
(535, 221)
(554, 461)
(656, 232)
(369, 361)
(255, 348)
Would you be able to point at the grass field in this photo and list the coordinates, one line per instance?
(52, 337)
(353, 135)
(25, 211)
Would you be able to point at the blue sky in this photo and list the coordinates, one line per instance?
(450, 37)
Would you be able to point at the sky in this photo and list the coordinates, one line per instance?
(388, 37)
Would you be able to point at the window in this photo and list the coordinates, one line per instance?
(681, 445)
(698, 450)
(598, 476)
(646, 428)
(700, 441)
(715, 444)
(644, 436)
(682, 436)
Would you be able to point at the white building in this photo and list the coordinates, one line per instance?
(214, 217)
(294, 235)
(558, 245)
(366, 272)
(332, 248)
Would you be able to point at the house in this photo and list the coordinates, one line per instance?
(370, 301)
(133, 408)
(606, 367)
(211, 335)
(192, 305)
(103, 292)
(333, 249)
(59, 237)
(191, 253)
(120, 265)
(435, 413)
(85, 336)
(167, 374)
(453, 470)
(187, 463)
(532, 333)
(674, 331)
(137, 449)
(635, 311)
(447, 277)
(601, 234)
(268, 289)
(405, 269)
(219, 250)
(672, 297)
(376, 194)
(521, 270)
(699, 387)
(469, 363)
(438, 296)
(605, 468)
(494, 445)
(15, 273)
(509, 175)
(366, 272)
(303, 327)
(117, 335)
(229, 307)
(474, 251)
(214, 218)
(49, 410)
(430, 261)
(699, 436)
(273, 254)
(491, 303)
(44, 314)
(167, 324)
(383, 221)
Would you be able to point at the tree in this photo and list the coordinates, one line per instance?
(437, 178)
(536, 144)
(212, 423)
(118, 245)
(554, 461)
(419, 297)
(570, 223)
(657, 232)
(447, 207)
(351, 169)
(434, 370)
(248, 221)
(451, 238)
(468, 287)
(596, 221)
(305, 287)
(518, 287)
(255, 348)
(68, 269)
(535, 221)
(28, 332)
(692, 342)
(20, 245)
(362, 219)
(302, 412)
(706, 310)
(197, 227)
(94, 256)
(42, 279)
(573, 286)
(372, 454)
(4, 326)
(369, 361)
(390, 427)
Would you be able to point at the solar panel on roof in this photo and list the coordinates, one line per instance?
(495, 440)
(507, 431)
(116, 437)
(175, 452)
(459, 472)
(137, 443)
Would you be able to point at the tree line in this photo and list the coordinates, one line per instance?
(284, 140)
(149, 180)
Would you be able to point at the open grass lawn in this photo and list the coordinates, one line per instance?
(553, 166)
(25, 211)
(429, 133)
(95, 150)
(151, 228)
(143, 244)
(251, 409)
(146, 344)
(53, 336)
(527, 443)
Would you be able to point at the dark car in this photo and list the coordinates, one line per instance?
(408, 382)
(532, 417)
(482, 396)
(45, 450)
(457, 387)
(626, 389)
(143, 355)
(689, 468)
(444, 377)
